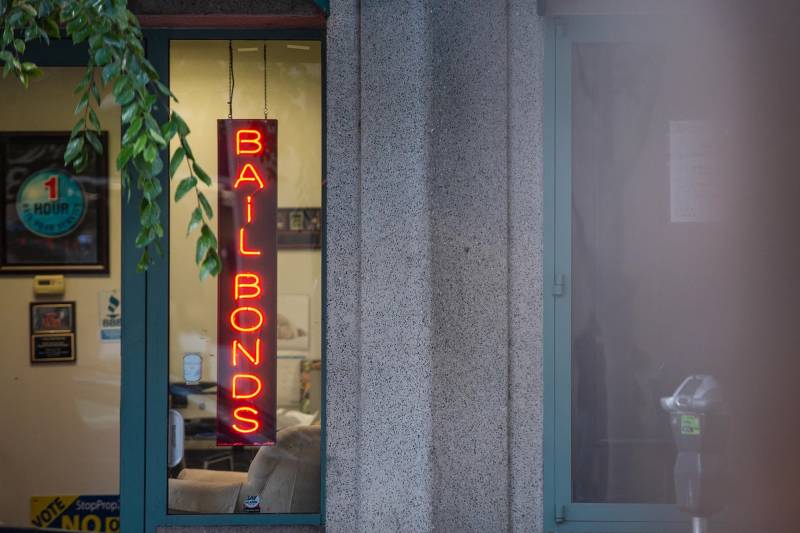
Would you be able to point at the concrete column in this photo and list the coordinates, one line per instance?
(468, 174)
(395, 425)
(379, 444)
(343, 247)
(434, 266)
(525, 263)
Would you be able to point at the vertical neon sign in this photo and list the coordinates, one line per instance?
(247, 303)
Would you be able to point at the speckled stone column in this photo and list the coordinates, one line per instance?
(469, 240)
(525, 264)
(379, 362)
(343, 266)
(395, 425)
(434, 313)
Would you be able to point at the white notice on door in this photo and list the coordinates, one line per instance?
(694, 177)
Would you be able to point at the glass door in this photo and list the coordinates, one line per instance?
(638, 229)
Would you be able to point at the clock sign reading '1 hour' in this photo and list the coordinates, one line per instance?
(247, 284)
(51, 203)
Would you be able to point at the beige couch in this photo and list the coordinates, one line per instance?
(286, 477)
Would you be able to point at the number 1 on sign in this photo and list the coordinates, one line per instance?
(52, 187)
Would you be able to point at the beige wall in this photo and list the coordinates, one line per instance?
(199, 75)
(60, 422)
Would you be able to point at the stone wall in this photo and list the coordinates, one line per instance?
(434, 266)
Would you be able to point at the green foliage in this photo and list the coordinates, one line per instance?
(117, 61)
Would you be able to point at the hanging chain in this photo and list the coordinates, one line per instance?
(265, 80)
(231, 81)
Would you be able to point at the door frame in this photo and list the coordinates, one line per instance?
(560, 512)
(145, 340)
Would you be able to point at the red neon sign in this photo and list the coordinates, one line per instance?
(247, 303)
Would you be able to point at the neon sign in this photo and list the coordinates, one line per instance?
(247, 302)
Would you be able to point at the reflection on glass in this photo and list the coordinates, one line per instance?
(635, 311)
(284, 478)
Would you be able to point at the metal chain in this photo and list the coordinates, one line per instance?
(231, 80)
(265, 80)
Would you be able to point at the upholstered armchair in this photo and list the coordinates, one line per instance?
(286, 478)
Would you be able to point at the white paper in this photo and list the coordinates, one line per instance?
(694, 174)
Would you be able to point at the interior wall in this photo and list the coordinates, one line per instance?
(199, 75)
(60, 420)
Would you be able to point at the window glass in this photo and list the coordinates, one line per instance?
(60, 364)
(643, 237)
(284, 477)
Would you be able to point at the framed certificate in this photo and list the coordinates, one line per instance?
(54, 219)
(52, 332)
(299, 228)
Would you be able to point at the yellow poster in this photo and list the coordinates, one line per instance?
(76, 513)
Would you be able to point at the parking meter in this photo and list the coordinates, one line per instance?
(699, 420)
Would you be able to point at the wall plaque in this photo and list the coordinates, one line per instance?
(52, 332)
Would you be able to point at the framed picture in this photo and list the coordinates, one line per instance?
(299, 228)
(54, 221)
(52, 332)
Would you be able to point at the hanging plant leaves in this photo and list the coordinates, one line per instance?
(116, 48)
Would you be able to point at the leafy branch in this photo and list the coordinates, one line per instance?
(116, 50)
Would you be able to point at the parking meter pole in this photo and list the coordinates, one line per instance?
(699, 524)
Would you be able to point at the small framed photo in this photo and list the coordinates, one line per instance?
(53, 219)
(52, 330)
(299, 228)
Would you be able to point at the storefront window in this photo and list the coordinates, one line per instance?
(60, 341)
(209, 472)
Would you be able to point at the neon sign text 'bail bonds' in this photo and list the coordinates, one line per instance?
(246, 323)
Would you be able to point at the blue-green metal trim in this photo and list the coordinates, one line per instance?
(323, 443)
(549, 274)
(324, 5)
(133, 429)
(561, 514)
(562, 253)
(157, 375)
(621, 527)
(157, 318)
(240, 519)
(280, 34)
(623, 512)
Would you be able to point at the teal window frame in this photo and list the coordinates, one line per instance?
(561, 514)
(324, 6)
(145, 337)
